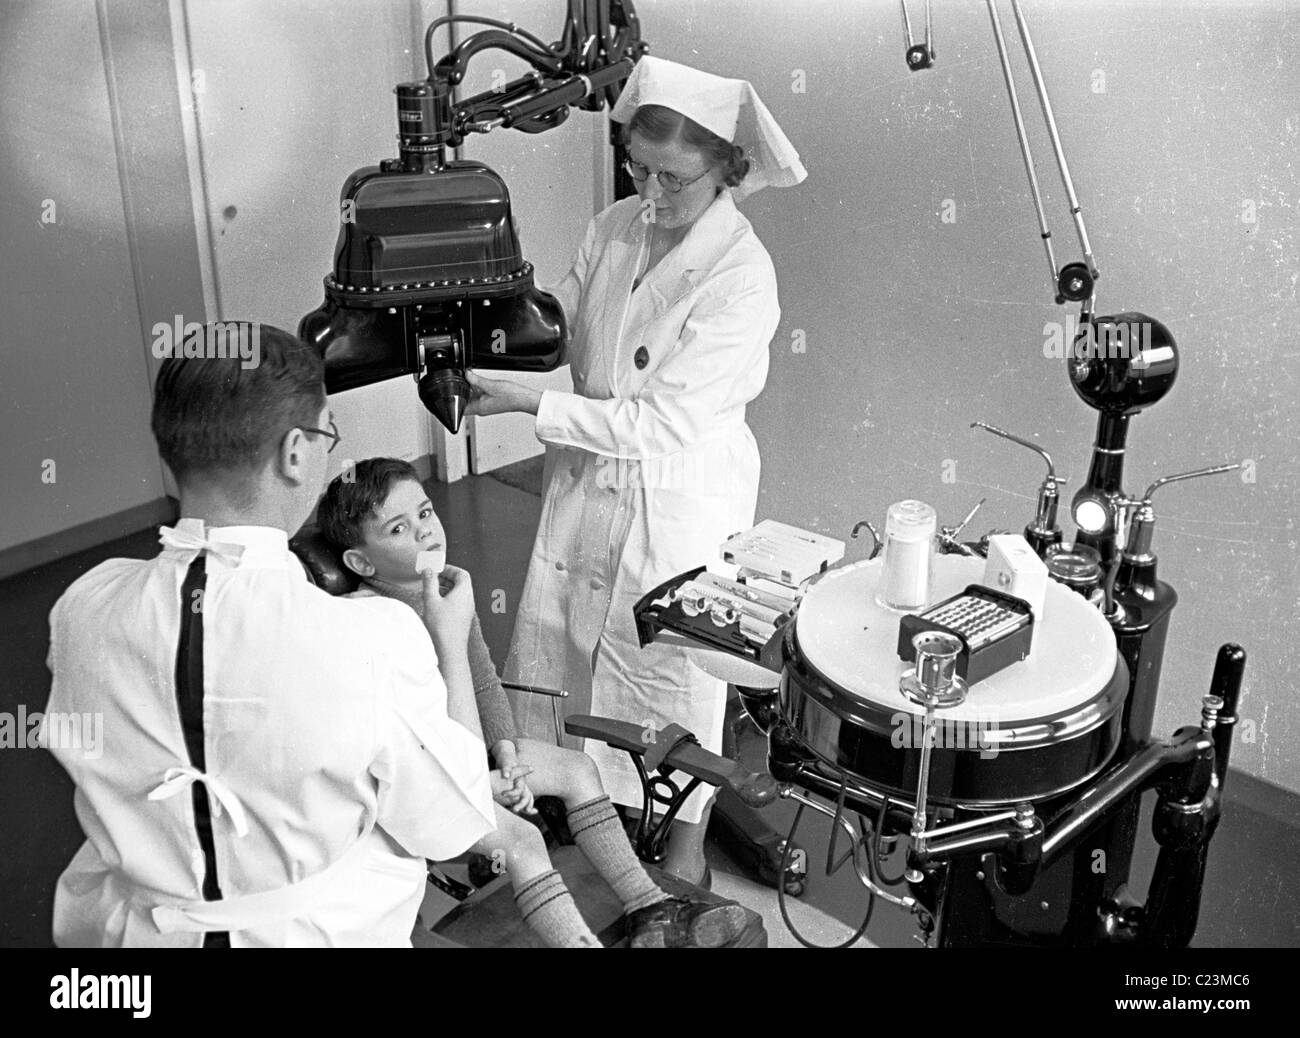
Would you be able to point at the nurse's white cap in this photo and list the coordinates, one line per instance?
(728, 107)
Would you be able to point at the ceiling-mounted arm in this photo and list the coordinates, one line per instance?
(1074, 282)
(593, 28)
(919, 55)
(541, 48)
(596, 33)
(1025, 154)
(623, 38)
(1075, 209)
(599, 45)
(455, 64)
(603, 28)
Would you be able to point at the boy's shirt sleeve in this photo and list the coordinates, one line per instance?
(494, 712)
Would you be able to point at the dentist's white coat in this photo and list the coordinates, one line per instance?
(332, 767)
(648, 470)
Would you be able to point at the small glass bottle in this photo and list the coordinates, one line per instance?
(1077, 566)
(907, 573)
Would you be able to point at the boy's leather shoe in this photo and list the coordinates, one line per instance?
(677, 922)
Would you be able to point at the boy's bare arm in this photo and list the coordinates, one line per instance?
(447, 618)
(461, 703)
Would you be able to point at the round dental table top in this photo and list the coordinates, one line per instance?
(853, 643)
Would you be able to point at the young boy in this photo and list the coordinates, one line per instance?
(380, 520)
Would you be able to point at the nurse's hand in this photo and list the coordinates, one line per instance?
(500, 396)
(448, 616)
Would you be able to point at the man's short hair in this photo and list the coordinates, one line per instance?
(354, 496)
(216, 415)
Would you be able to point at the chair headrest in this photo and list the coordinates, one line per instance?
(323, 564)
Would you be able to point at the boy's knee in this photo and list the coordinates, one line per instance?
(581, 769)
(517, 836)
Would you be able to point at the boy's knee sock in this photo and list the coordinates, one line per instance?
(599, 834)
(547, 907)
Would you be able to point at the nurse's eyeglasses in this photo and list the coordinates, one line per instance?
(670, 182)
(332, 432)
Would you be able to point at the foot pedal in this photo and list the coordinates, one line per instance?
(755, 846)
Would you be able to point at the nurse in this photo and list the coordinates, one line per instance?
(671, 303)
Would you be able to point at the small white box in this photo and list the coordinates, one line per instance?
(780, 552)
(1014, 569)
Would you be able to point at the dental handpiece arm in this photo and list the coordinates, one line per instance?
(1043, 531)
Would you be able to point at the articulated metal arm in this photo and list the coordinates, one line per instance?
(586, 68)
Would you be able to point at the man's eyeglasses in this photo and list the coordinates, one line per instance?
(670, 182)
(332, 432)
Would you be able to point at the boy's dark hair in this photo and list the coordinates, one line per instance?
(354, 496)
(220, 415)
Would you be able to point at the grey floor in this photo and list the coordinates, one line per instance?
(1251, 894)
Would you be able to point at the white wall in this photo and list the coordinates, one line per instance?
(74, 382)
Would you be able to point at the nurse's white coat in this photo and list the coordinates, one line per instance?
(648, 469)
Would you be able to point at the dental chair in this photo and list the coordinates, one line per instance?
(487, 917)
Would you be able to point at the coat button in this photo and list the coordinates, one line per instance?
(560, 566)
(641, 358)
(597, 583)
(576, 471)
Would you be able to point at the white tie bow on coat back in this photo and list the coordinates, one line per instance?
(181, 778)
(186, 540)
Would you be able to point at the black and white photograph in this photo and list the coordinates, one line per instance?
(538, 474)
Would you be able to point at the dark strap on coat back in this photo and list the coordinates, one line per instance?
(189, 701)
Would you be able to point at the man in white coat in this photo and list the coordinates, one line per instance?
(276, 763)
(671, 305)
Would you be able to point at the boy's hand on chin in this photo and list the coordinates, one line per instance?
(448, 614)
